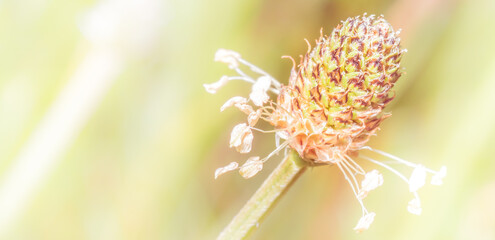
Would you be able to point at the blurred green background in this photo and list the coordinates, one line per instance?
(107, 133)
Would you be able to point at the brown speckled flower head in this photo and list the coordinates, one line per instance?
(334, 101)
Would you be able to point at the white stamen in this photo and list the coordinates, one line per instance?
(245, 108)
(400, 160)
(260, 71)
(241, 138)
(363, 208)
(437, 179)
(414, 206)
(283, 145)
(387, 167)
(246, 79)
(238, 70)
(258, 94)
(253, 117)
(355, 166)
(251, 167)
(417, 179)
(229, 57)
(407, 163)
(235, 101)
(258, 97)
(365, 222)
(213, 87)
(371, 181)
(345, 164)
(228, 168)
(265, 131)
(247, 143)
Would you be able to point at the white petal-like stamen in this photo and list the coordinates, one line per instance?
(245, 108)
(414, 206)
(258, 94)
(365, 222)
(213, 87)
(437, 179)
(251, 167)
(263, 82)
(418, 178)
(229, 57)
(241, 138)
(238, 133)
(233, 101)
(247, 142)
(371, 181)
(259, 97)
(228, 168)
(253, 117)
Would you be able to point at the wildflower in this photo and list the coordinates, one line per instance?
(331, 106)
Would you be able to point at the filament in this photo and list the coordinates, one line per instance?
(387, 167)
(407, 163)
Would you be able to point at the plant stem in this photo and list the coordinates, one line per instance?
(265, 198)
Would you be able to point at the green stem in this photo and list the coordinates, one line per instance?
(265, 198)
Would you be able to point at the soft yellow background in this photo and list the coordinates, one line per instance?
(141, 166)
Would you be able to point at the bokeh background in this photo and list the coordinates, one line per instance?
(107, 133)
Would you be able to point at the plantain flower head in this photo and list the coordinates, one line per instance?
(333, 103)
